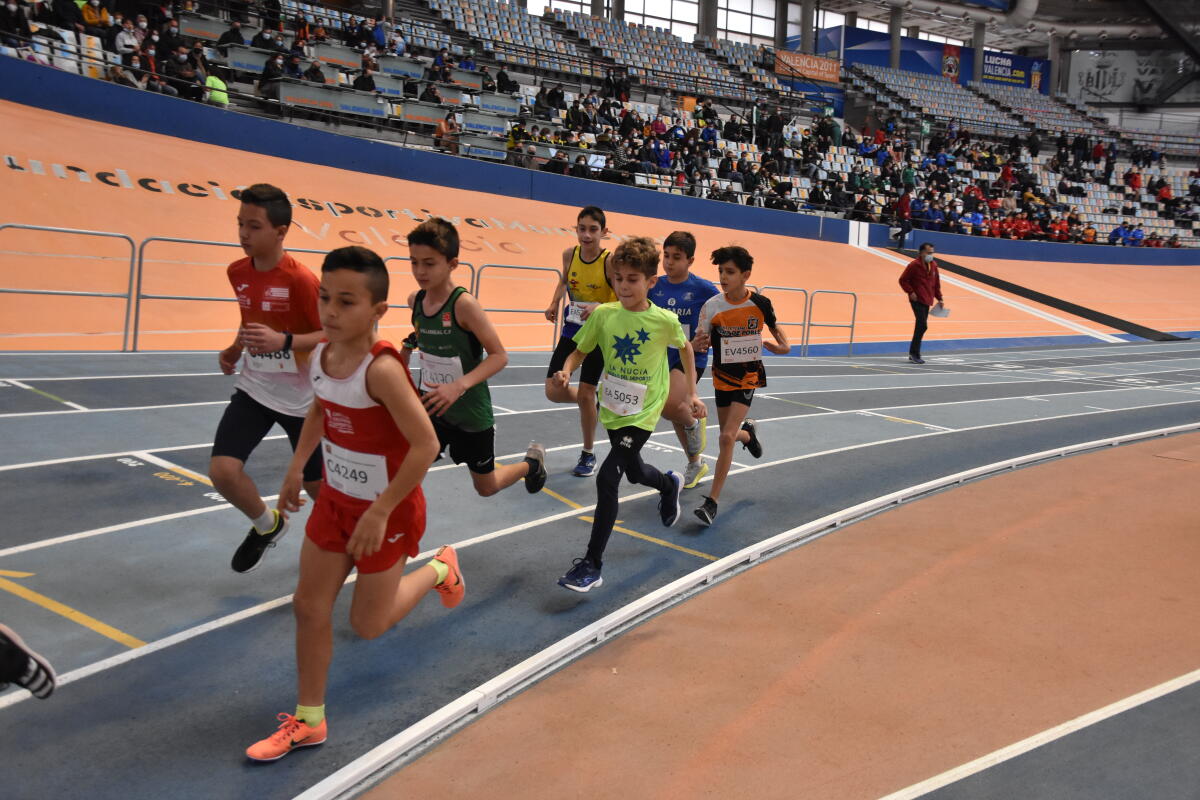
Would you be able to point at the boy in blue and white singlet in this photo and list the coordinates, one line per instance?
(684, 294)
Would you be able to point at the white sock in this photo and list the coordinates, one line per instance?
(586, 450)
(265, 522)
(692, 427)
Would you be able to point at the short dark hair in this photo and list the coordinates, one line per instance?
(740, 257)
(684, 241)
(594, 212)
(640, 253)
(270, 199)
(365, 261)
(437, 233)
(924, 245)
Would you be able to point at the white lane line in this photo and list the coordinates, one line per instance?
(71, 459)
(1045, 737)
(81, 410)
(566, 650)
(908, 421)
(190, 633)
(29, 388)
(120, 377)
(171, 465)
(1037, 312)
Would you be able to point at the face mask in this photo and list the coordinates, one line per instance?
(150, 52)
(135, 64)
(182, 57)
(11, 7)
(154, 37)
(267, 35)
(94, 3)
(142, 25)
(927, 257)
(278, 62)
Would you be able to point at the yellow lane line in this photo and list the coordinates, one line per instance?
(560, 498)
(72, 614)
(12, 573)
(173, 467)
(795, 402)
(906, 421)
(661, 542)
(47, 395)
(878, 369)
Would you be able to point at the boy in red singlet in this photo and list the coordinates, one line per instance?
(376, 442)
(277, 296)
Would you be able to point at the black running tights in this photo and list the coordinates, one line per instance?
(624, 458)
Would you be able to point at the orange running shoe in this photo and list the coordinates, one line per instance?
(454, 588)
(292, 733)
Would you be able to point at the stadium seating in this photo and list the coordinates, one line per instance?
(1042, 111)
(515, 37)
(944, 100)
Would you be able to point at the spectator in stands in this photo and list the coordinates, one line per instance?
(445, 135)
(126, 42)
(1136, 236)
(580, 168)
(314, 74)
(1133, 179)
(442, 57)
(95, 18)
(430, 95)
(155, 82)
(292, 68)
(468, 61)
(231, 36)
(272, 73)
(487, 82)
(1059, 230)
(365, 82)
(171, 38)
(216, 93)
(379, 35)
(1174, 241)
(558, 165)
(319, 34)
(121, 76)
(589, 122)
(1119, 235)
(267, 40)
(183, 75)
(271, 11)
(199, 60)
(1153, 240)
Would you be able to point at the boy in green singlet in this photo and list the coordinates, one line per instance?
(452, 332)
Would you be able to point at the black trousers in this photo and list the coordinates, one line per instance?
(921, 313)
(624, 458)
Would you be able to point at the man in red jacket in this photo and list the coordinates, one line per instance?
(920, 280)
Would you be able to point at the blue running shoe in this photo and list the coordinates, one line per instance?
(668, 502)
(581, 577)
(586, 465)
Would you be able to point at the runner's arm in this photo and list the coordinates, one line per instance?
(561, 288)
(410, 342)
(687, 360)
(780, 346)
(293, 479)
(573, 362)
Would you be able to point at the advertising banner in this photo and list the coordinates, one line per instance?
(951, 61)
(1126, 76)
(792, 64)
(330, 98)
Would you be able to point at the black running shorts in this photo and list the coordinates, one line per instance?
(593, 364)
(244, 424)
(475, 449)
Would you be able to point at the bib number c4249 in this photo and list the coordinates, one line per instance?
(279, 361)
(360, 475)
(439, 370)
(620, 396)
(740, 349)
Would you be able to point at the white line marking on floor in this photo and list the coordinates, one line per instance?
(29, 388)
(1045, 737)
(70, 459)
(121, 377)
(82, 410)
(1037, 312)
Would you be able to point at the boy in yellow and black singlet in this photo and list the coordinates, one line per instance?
(732, 323)
(453, 334)
(633, 335)
(585, 282)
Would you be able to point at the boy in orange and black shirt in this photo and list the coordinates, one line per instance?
(732, 323)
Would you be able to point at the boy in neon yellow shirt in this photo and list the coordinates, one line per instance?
(633, 335)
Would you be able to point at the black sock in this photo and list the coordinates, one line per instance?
(533, 465)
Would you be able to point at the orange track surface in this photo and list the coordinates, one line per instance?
(51, 155)
(883, 654)
(1166, 298)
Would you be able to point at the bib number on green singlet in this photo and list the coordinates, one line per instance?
(439, 370)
